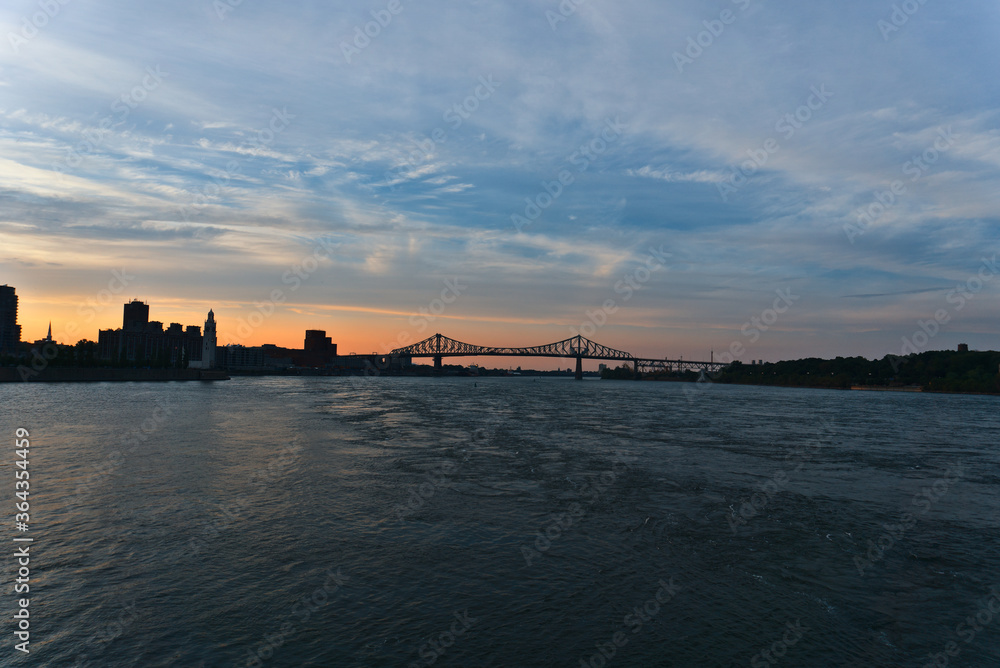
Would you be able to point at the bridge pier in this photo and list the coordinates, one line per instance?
(636, 367)
(437, 365)
(579, 368)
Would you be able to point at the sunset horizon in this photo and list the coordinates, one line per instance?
(536, 333)
(635, 169)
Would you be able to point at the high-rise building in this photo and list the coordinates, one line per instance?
(318, 342)
(144, 341)
(10, 331)
(136, 316)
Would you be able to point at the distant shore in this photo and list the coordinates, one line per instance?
(98, 375)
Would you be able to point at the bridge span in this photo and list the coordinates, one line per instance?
(576, 347)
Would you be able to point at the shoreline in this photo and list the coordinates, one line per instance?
(869, 388)
(106, 375)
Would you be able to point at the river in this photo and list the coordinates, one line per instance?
(504, 522)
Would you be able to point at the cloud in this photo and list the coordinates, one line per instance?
(417, 169)
(895, 294)
(665, 174)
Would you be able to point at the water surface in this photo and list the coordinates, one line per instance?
(504, 522)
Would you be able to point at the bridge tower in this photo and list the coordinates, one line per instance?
(579, 357)
(437, 358)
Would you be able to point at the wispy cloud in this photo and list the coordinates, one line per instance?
(417, 169)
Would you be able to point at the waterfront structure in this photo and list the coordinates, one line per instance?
(141, 340)
(580, 347)
(208, 345)
(318, 342)
(235, 356)
(318, 352)
(318, 356)
(208, 342)
(10, 331)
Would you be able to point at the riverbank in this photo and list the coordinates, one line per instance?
(98, 375)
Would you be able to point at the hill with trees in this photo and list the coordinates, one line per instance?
(932, 371)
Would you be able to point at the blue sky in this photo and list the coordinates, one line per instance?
(204, 148)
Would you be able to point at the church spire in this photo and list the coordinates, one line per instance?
(49, 336)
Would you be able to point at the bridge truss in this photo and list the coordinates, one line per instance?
(578, 347)
(656, 366)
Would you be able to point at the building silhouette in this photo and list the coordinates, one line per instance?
(318, 352)
(136, 315)
(10, 331)
(143, 341)
(40, 343)
(208, 346)
(237, 357)
(208, 342)
(318, 342)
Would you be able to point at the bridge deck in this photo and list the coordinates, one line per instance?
(577, 347)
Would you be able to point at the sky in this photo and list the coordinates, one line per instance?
(745, 178)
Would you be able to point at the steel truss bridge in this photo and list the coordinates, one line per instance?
(578, 347)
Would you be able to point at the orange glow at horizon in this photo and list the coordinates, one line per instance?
(362, 330)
